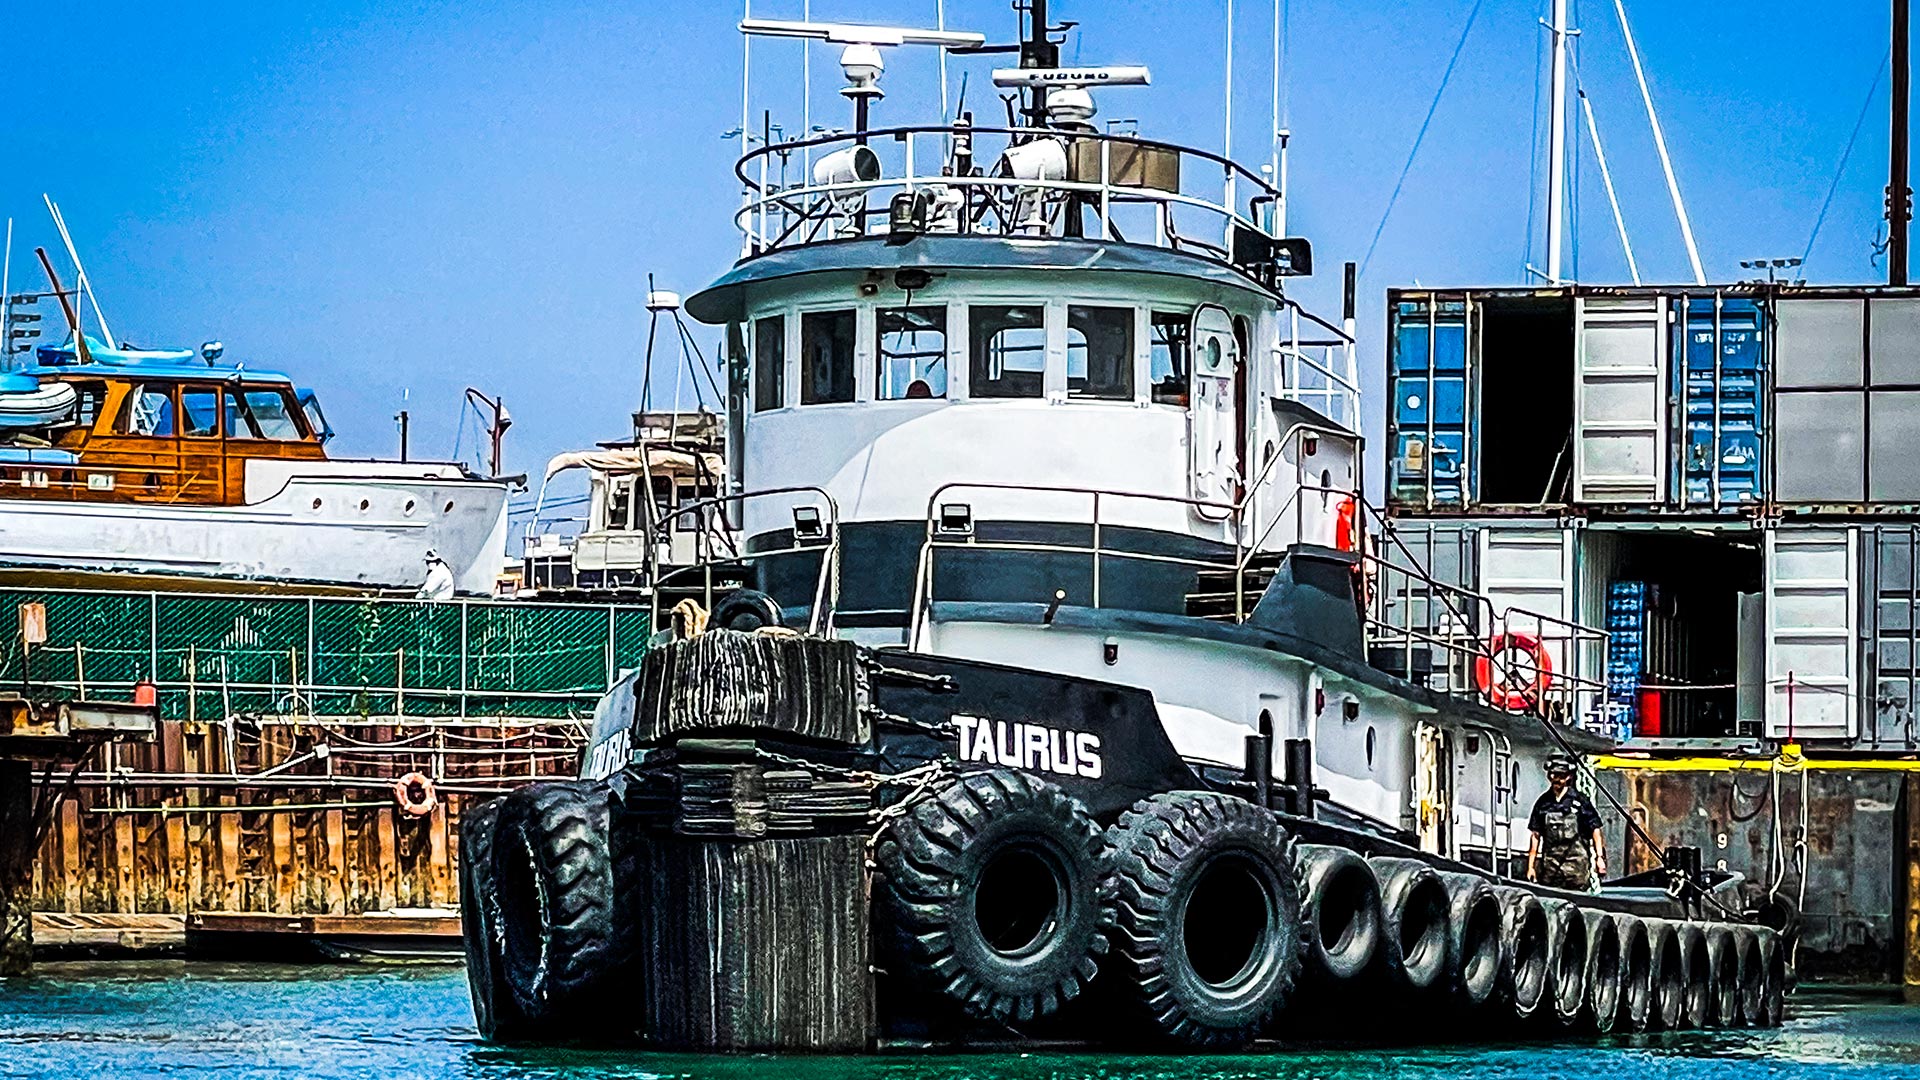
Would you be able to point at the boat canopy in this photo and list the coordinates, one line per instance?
(655, 459)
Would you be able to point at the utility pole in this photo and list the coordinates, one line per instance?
(1557, 142)
(1899, 193)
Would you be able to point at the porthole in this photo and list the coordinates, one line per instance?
(1371, 742)
(448, 509)
(316, 504)
(408, 509)
(363, 505)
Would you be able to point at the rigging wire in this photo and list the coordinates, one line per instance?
(1820, 219)
(1421, 136)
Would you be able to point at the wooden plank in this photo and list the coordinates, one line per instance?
(229, 847)
(439, 871)
(280, 828)
(123, 890)
(336, 837)
(387, 858)
(177, 858)
(70, 854)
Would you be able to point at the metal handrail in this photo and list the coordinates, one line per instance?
(826, 593)
(789, 208)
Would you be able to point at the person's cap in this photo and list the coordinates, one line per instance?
(1559, 767)
(432, 556)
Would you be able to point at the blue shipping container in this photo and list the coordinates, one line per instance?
(1720, 447)
(1429, 416)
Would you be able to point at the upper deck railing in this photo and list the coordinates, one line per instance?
(1011, 182)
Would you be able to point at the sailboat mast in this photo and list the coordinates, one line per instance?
(1557, 142)
(1899, 194)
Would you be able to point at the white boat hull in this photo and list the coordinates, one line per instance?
(322, 525)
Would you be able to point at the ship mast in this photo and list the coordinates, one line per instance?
(1899, 194)
(1557, 142)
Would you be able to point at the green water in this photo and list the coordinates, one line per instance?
(158, 1019)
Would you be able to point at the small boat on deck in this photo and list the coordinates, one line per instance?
(168, 465)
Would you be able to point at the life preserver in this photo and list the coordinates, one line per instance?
(1519, 686)
(414, 792)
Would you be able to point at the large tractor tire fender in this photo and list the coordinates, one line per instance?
(1753, 976)
(1524, 978)
(1209, 932)
(1414, 902)
(568, 924)
(495, 1013)
(1636, 972)
(1603, 971)
(1340, 924)
(1698, 964)
(999, 894)
(1723, 954)
(1667, 974)
(1567, 966)
(1473, 938)
(1773, 957)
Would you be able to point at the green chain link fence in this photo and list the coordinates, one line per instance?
(210, 656)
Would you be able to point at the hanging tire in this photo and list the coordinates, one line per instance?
(1667, 974)
(1473, 938)
(567, 927)
(1723, 953)
(1698, 965)
(1209, 930)
(1340, 919)
(1414, 903)
(1773, 956)
(1523, 952)
(1603, 971)
(1753, 976)
(1567, 947)
(495, 1014)
(1636, 973)
(999, 894)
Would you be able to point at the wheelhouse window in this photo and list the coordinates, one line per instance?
(1168, 364)
(1007, 350)
(1100, 353)
(261, 413)
(826, 357)
(149, 412)
(200, 412)
(91, 396)
(769, 363)
(911, 347)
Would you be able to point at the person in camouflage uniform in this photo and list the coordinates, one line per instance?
(1566, 851)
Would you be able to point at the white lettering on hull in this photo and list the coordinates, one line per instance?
(1033, 747)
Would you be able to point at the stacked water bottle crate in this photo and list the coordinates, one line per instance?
(1626, 645)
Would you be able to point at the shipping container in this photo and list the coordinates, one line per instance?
(1720, 361)
(1847, 400)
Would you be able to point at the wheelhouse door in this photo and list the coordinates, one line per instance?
(1620, 400)
(203, 457)
(1213, 417)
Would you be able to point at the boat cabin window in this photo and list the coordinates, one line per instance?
(769, 363)
(1100, 353)
(826, 357)
(1007, 351)
(1167, 358)
(619, 502)
(261, 413)
(911, 347)
(200, 410)
(149, 411)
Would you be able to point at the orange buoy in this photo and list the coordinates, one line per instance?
(1526, 670)
(414, 792)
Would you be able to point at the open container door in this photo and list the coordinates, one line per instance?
(1527, 573)
(1812, 633)
(1620, 400)
(1213, 418)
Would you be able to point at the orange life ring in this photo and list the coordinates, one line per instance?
(1508, 691)
(414, 792)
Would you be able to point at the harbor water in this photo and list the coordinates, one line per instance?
(175, 1019)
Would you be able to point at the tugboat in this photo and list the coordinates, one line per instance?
(170, 467)
(1074, 694)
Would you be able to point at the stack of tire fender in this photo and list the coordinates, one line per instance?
(1195, 919)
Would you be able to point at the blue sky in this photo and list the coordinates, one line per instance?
(409, 198)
